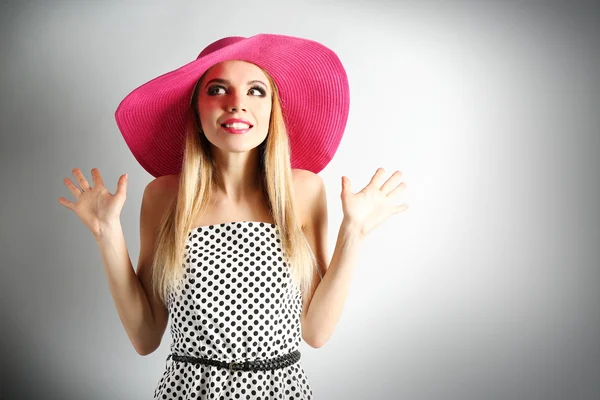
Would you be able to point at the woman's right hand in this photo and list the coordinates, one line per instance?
(95, 206)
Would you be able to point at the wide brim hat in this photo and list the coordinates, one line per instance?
(311, 82)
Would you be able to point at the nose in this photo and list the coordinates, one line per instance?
(235, 103)
(236, 108)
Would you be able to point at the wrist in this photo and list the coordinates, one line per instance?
(351, 229)
(107, 230)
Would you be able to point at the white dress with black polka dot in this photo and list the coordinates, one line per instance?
(236, 302)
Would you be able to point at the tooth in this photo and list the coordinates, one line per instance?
(238, 125)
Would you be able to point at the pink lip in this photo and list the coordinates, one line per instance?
(234, 120)
(235, 131)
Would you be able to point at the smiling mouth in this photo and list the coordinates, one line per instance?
(235, 128)
(237, 125)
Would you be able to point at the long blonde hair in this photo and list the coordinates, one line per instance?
(196, 181)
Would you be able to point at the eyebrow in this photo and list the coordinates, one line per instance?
(225, 81)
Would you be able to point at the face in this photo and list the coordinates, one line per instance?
(235, 90)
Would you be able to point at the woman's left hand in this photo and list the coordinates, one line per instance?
(367, 209)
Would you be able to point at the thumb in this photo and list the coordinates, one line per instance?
(346, 186)
(122, 184)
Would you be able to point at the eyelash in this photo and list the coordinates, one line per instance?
(260, 89)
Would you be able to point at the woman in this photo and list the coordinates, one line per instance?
(233, 229)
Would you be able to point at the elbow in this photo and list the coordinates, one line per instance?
(144, 350)
(149, 342)
(312, 337)
(316, 345)
(314, 341)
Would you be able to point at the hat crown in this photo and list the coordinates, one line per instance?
(219, 44)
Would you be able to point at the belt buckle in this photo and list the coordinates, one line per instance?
(232, 363)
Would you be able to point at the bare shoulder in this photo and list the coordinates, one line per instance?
(307, 186)
(167, 182)
(306, 180)
(163, 188)
(158, 196)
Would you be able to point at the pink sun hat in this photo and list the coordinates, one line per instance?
(312, 84)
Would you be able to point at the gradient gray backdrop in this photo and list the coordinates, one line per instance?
(488, 287)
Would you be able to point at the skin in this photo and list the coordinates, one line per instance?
(237, 158)
(236, 155)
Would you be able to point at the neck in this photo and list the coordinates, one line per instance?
(238, 179)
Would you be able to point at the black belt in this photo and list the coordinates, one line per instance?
(263, 365)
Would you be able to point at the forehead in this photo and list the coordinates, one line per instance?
(235, 70)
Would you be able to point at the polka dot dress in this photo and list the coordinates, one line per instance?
(236, 302)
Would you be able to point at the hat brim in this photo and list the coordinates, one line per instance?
(312, 84)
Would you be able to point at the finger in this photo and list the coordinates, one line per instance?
(74, 189)
(83, 183)
(397, 189)
(98, 181)
(399, 208)
(374, 182)
(122, 185)
(69, 204)
(346, 185)
(391, 182)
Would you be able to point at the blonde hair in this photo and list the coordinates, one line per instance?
(197, 177)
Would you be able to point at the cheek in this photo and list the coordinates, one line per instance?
(265, 113)
(206, 111)
(205, 104)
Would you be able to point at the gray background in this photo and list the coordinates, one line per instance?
(486, 288)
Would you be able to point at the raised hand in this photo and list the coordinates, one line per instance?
(95, 206)
(371, 206)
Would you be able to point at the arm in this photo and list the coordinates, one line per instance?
(321, 310)
(143, 318)
(363, 212)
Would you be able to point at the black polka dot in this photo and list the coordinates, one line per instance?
(236, 301)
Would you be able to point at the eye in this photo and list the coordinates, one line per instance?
(260, 90)
(211, 90)
(257, 90)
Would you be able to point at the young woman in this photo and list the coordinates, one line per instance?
(233, 228)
